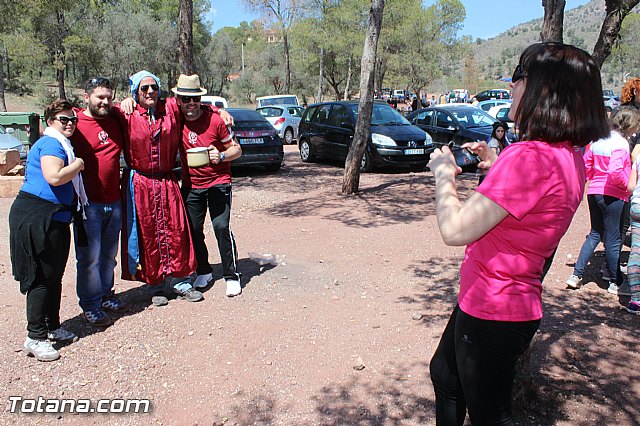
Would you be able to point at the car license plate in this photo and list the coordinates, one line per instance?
(252, 141)
(413, 151)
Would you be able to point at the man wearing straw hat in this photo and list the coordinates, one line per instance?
(207, 185)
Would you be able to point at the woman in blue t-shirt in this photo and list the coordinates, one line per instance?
(39, 228)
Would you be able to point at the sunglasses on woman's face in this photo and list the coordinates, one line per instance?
(64, 120)
(518, 74)
(188, 99)
(145, 88)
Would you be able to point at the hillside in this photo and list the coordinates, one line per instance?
(498, 56)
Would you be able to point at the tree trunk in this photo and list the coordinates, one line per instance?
(59, 54)
(60, 79)
(553, 20)
(351, 181)
(287, 63)
(6, 56)
(185, 37)
(346, 86)
(616, 10)
(3, 105)
(321, 77)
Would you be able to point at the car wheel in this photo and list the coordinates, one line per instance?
(366, 164)
(306, 153)
(273, 167)
(288, 136)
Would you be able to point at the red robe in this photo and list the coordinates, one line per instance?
(164, 238)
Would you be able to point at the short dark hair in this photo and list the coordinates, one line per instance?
(55, 107)
(625, 117)
(562, 99)
(97, 82)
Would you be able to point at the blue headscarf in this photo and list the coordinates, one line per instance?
(134, 82)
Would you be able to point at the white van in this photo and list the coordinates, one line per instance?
(399, 95)
(218, 101)
(263, 101)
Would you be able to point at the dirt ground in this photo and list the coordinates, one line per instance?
(363, 281)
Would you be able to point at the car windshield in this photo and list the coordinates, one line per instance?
(383, 115)
(470, 118)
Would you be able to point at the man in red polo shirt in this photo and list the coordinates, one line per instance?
(98, 140)
(208, 186)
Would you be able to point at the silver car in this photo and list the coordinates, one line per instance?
(285, 119)
(8, 141)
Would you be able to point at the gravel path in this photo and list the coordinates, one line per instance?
(340, 331)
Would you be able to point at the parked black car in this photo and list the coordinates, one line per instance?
(260, 142)
(458, 123)
(493, 94)
(454, 125)
(327, 131)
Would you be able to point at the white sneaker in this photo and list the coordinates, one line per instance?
(233, 288)
(62, 334)
(203, 281)
(623, 290)
(574, 281)
(42, 350)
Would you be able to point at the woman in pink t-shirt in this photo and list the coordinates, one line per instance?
(511, 225)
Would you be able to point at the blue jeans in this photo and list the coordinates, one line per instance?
(606, 216)
(96, 261)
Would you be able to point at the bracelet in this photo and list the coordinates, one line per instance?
(222, 157)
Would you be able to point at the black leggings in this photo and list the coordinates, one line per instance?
(474, 367)
(43, 297)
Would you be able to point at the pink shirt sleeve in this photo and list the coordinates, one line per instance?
(620, 167)
(588, 162)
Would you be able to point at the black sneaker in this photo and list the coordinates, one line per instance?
(98, 318)
(113, 303)
(190, 295)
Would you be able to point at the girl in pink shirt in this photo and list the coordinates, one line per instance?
(608, 164)
(511, 225)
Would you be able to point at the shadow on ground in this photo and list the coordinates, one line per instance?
(138, 299)
(385, 197)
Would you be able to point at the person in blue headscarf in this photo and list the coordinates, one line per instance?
(156, 245)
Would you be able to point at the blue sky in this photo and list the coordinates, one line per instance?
(485, 18)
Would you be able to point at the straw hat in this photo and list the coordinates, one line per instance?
(189, 85)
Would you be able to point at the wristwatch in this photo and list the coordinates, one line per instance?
(222, 156)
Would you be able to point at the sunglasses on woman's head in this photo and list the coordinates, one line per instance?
(145, 88)
(188, 99)
(64, 120)
(518, 74)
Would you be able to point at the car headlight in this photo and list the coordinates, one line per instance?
(428, 141)
(382, 140)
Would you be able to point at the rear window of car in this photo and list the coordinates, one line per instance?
(248, 119)
(270, 112)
